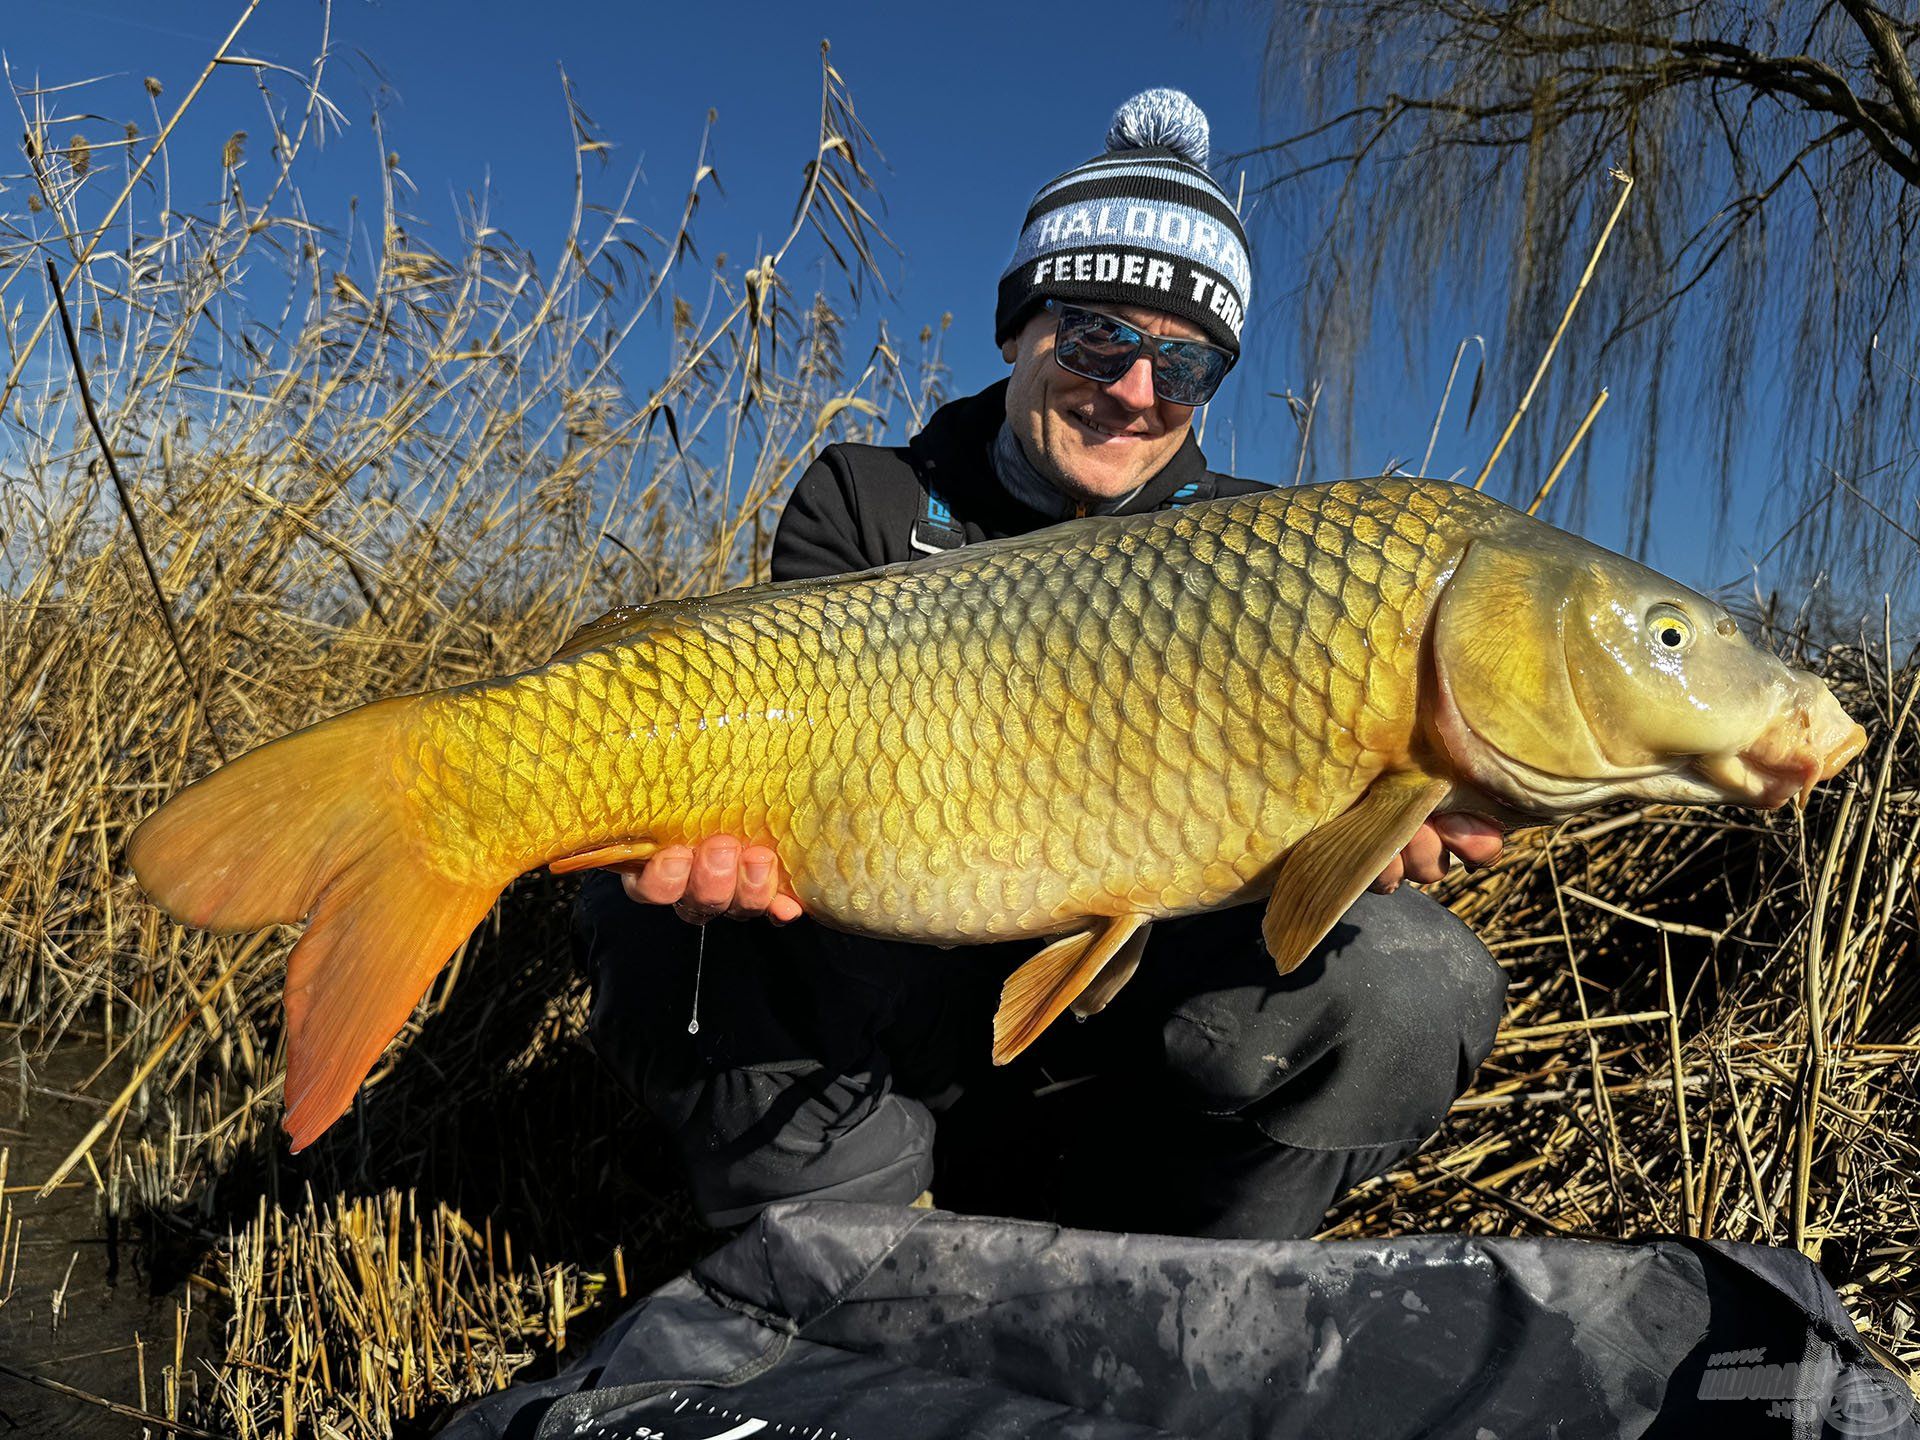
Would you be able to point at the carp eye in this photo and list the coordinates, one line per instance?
(1670, 628)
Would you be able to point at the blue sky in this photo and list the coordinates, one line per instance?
(973, 106)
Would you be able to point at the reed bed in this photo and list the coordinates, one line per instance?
(361, 465)
(365, 1314)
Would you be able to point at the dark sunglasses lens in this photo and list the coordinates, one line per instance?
(1188, 374)
(1094, 346)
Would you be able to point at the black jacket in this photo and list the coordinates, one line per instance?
(857, 506)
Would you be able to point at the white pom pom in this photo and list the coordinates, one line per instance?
(1162, 118)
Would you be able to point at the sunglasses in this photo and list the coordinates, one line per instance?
(1099, 347)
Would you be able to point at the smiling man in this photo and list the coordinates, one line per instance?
(1213, 1097)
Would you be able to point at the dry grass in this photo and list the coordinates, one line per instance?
(348, 1315)
(363, 466)
(366, 466)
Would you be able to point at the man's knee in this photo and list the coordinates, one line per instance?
(751, 1138)
(1443, 981)
(1368, 1042)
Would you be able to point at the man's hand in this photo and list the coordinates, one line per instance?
(1429, 854)
(718, 877)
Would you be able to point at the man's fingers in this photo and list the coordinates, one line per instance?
(759, 879)
(1425, 857)
(717, 877)
(1475, 840)
(661, 880)
(712, 880)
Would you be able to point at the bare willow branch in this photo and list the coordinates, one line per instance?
(1444, 152)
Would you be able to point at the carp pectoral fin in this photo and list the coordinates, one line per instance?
(1039, 990)
(1327, 871)
(604, 855)
(1119, 970)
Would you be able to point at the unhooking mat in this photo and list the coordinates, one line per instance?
(830, 1321)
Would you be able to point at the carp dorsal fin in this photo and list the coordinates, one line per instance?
(1327, 870)
(620, 623)
(1036, 993)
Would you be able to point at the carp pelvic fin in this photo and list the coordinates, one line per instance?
(312, 827)
(1119, 970)
(1036, 993)
(1327, 871)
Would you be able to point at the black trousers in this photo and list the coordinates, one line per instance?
(1212, 1097)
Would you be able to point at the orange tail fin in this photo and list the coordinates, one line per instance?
(313, 827)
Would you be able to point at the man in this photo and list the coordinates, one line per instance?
(1213, 1097)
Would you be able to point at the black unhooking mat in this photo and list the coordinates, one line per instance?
(851, 1322)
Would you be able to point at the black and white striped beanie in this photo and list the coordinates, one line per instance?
(1144, 224)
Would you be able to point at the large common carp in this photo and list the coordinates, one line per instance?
(1066, 734)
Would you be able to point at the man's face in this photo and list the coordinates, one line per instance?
(1095, 442)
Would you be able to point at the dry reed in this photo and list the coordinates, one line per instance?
(366, 466)
(363, 465)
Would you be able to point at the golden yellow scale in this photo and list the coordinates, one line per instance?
(1131, 717)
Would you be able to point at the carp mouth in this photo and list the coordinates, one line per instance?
(1812, 740)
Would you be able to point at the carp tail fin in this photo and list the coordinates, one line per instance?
(311, 827)
(383, 929)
